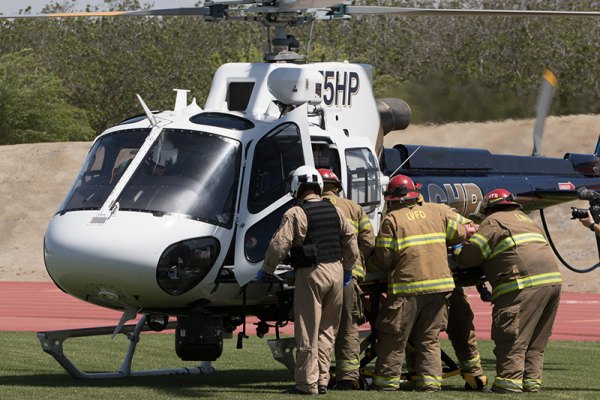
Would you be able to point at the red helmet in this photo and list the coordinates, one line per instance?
(329, 176)
(401, 187)
(498, 197)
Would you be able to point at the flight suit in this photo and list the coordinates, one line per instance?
(317, 294)
(526, 284)
(347, 343)
(411, 246)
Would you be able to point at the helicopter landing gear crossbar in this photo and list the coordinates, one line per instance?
(52, 343)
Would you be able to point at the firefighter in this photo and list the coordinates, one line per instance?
(460, 329)
(323, 250)
(526, 284)
(411, 246)
(347, 344)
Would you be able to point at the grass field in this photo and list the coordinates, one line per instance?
(26, 372)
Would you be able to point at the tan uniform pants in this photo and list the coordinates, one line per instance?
(347, 344)
(421, 317)
(461, 333)
(521, 327)
(317, 309)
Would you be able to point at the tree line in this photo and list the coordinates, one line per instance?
(69, 79)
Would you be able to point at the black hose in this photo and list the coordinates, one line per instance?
(569, 267)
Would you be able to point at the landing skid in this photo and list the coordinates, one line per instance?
(52, 343)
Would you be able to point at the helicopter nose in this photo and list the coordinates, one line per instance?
(134, 260)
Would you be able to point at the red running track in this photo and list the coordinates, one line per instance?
(41, 306)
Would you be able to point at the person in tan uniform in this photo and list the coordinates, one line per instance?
(412, 247)
(461, 329)
(323, 250)
(347, 343)
(526, 284)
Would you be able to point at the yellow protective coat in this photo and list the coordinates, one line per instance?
(412, 247)
(526, 282)
(513, 252)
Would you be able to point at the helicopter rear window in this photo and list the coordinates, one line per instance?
(363, 178)
(238, 95)
(221, 120)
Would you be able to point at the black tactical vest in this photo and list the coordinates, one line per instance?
(322, 242)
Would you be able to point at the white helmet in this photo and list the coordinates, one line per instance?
(164, 153)
(305, 177)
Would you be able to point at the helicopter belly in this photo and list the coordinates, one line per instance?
(114, 264)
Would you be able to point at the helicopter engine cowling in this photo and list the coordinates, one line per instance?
(394, 114)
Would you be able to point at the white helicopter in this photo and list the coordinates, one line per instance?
(172, 212)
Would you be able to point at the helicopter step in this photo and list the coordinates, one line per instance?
(52, 343)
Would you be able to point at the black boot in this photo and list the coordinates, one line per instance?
(344, 385)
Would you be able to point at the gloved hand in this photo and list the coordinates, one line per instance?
(456, 249)
(347, 277)
(261, 275)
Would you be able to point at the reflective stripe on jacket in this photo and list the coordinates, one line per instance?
(412, 247)
(513, 252)
(551, 278)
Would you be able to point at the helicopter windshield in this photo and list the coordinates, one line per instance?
(185, 172)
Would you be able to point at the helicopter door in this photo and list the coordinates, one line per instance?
(265, 197)
(363, 181)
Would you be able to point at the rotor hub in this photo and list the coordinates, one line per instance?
(283, 46)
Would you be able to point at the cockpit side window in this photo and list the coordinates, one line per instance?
(275, 156)
(363, 178)
(107, 159)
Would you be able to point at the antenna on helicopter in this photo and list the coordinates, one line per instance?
(181, 99)
(542, 108)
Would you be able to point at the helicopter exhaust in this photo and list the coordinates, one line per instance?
(394, 114)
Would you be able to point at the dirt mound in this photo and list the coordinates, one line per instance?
(36, 177)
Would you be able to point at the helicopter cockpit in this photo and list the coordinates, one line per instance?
(199, 180)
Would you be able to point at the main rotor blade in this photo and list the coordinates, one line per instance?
(301, 5)
(183, 11)
(415, 12)
(542, 109)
